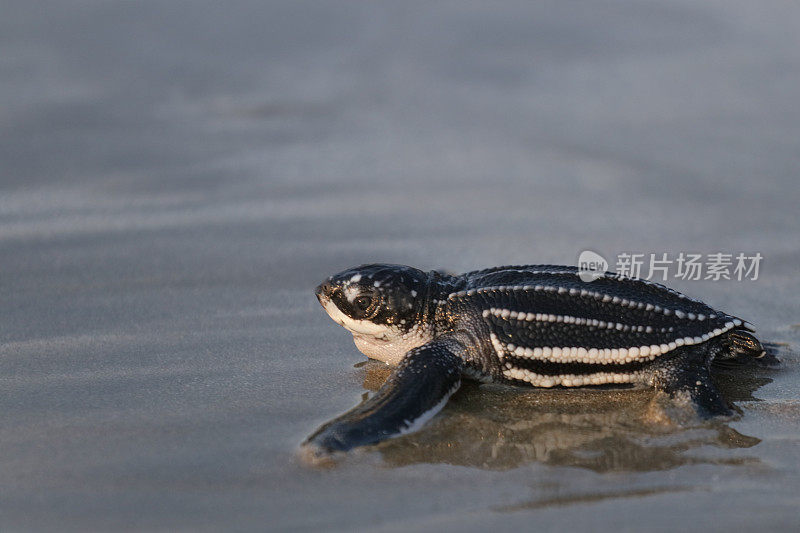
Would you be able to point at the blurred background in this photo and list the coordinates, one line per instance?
(176, 177)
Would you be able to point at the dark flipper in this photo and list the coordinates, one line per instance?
(686, 377)
(414, 392)
(742, 348)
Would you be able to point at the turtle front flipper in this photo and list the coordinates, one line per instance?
(414, 392)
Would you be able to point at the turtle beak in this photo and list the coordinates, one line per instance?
(323, 291)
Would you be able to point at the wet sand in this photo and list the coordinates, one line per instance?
(177, 177)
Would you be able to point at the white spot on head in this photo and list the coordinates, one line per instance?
(351, 293)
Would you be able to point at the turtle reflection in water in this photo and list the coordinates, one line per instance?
(604, 430)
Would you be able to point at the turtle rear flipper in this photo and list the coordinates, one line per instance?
(686, 377)
(742, 348)
(413, 393)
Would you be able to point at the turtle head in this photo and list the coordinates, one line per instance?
(382, 305)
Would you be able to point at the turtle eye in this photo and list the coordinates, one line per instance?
(363, 303)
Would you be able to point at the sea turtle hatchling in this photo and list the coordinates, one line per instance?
(535, 325)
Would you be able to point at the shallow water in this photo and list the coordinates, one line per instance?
(177, 177)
